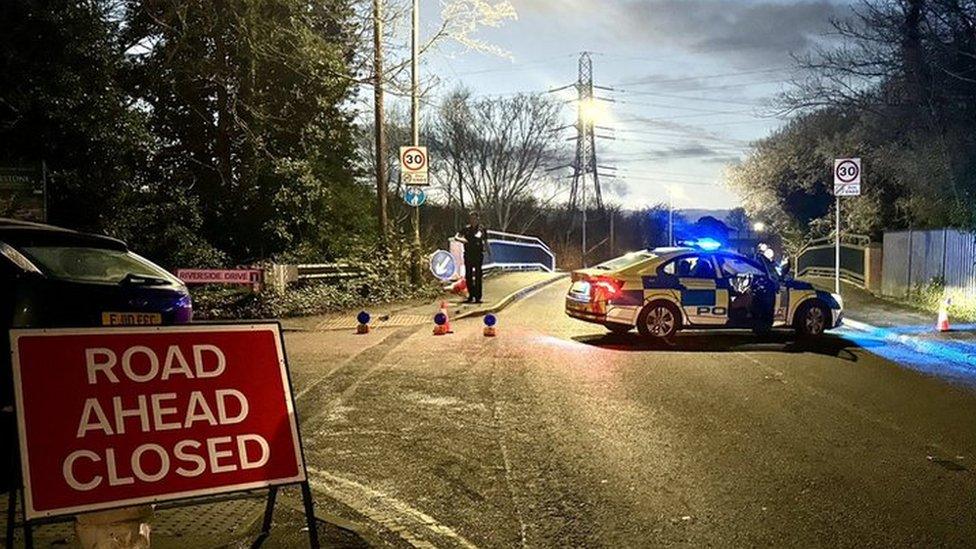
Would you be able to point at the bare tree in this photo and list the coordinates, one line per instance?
(495, 150)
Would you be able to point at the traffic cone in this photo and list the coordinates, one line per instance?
(442, 321)
(363, 319)
(942, 324)
(490, 321)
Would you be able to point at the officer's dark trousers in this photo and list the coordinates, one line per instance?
(472, 276)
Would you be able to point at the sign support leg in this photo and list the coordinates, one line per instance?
(313, 532)
(837, 248)
(269, 510)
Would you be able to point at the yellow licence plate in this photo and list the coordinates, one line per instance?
(131, 319)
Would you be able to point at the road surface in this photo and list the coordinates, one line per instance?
(556, 434)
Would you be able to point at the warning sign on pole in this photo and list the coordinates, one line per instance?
(111, 417)
(847, 177)
(414, 166)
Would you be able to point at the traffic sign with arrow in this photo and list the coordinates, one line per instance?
(442, 264)
(415, 196)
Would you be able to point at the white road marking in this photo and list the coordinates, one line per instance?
(414, 526)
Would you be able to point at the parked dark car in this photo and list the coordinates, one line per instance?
(53, 277)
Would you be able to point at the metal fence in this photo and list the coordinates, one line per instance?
(916, 258)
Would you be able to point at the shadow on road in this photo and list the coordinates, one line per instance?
(710, 342)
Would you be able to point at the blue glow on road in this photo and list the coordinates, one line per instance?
(909, 347)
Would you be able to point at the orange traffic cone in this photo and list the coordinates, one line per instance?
(942, 324)
(442, 321)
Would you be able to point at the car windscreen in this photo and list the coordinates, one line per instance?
(625, 261)
(107, 266)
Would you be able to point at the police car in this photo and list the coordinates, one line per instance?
(664, 290)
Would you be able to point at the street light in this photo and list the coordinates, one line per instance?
(592, 110)
(672, 190)
(759, 226)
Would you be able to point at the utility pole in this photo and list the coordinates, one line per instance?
(670, 216)
(379, 121)
(583, 224)
(585, 160)
(415, 127)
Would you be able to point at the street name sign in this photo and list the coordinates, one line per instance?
(442, 265)
(24, 188)
(414, 196)
(847, 177)
(220, 276)
(414, 166)
(113, 417)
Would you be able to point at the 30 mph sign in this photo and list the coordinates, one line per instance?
(847, 177)
(110, 417)
(413, 165)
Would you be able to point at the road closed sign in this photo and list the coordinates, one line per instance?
(111, 417)
(414, 165)
(847, 177)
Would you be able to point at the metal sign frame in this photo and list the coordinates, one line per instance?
(170, 500)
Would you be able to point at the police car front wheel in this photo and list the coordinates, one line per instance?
(812, 320)
(658, 320)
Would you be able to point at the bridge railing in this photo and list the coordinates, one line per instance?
(510, 251)
(519, 252)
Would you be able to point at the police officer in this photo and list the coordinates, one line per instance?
(475, 239)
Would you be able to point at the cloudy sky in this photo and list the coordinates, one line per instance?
(691, 79)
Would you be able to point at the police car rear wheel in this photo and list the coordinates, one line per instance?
(658, 320)
(812, 320)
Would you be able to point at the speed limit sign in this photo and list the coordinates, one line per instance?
(847, 177)
(413, 165)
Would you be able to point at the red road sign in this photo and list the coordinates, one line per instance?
(413, 159)
(220, 276)
(109, 417)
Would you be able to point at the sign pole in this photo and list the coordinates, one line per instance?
(837, 248)
(415, 126)
(847, 182)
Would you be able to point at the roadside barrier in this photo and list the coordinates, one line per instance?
(363, 319)
(942, 323)
(490, 321)
(442, 322)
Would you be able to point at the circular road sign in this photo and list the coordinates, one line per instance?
(413, 159)
(415, 197)
(442, 264)
(848, 171)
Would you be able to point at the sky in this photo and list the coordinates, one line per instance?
(692, 80)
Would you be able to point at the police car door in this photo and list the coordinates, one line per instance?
(704, 304)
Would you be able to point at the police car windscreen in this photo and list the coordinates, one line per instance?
(625, 261)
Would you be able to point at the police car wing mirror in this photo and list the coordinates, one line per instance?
(785, 270)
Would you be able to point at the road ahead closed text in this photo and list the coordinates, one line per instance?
(118, 416)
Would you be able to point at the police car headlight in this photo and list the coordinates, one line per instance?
(839, 300)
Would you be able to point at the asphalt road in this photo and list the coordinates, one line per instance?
(556, 434)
